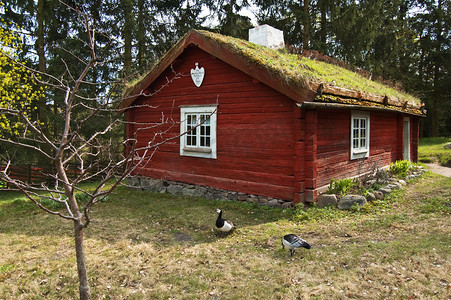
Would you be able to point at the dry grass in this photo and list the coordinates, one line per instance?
(151, 246)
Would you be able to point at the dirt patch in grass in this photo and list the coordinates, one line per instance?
(152, 246)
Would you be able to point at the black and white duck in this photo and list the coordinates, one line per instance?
(293, 242)
(223, 225)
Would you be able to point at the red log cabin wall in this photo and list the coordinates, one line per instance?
(255, 130)
(266, 145)
(333, 144)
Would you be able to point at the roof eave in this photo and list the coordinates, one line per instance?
(323, 88)
(340, 106)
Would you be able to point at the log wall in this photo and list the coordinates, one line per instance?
(266, 145)
(255, 129)
(333, 156)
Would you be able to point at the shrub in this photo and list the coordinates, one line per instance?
(382, 176)
(341, 186)
(3, 185)
(399, 168)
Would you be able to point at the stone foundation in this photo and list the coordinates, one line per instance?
(180, 188)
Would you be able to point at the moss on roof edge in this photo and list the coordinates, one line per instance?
(325, 98)
(261, 56)
(300, 71)
(295, 71)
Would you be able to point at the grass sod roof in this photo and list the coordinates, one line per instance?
(296, 72)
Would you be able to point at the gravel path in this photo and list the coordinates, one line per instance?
(435, 168)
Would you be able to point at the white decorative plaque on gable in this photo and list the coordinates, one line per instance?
(197, 75)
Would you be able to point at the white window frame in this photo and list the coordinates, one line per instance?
(209, 114)
(406, 138)
(360, 135)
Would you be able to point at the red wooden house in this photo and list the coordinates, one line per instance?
(263, 122)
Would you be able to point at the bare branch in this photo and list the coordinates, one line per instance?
(26, 190)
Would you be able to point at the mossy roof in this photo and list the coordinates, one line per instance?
(290, 72)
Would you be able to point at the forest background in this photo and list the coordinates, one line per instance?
(403, 43)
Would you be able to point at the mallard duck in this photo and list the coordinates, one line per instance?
(293, 241)
(221, 224)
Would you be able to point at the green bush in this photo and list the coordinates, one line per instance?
(399, 168)
(341, 186)
(3, 185)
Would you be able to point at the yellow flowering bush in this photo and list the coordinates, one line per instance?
(18, 88)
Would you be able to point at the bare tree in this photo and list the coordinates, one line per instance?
(95, 156)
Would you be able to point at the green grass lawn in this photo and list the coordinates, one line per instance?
(433, 150)
(143, 245)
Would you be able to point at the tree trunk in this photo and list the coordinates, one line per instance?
(306, 32)
(323, 27)
(141, 34)
(438, 50)
(81, 265)
(40, 36)
(42, 65)
(85, 293)
(127, 33)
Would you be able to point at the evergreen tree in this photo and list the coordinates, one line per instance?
(433, 27)
(230, 21)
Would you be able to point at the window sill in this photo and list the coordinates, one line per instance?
(197, 149)
(357, 154)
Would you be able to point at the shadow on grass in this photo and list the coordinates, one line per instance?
(141, 217)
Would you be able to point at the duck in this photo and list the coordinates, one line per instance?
(223, 225)
(293, 242)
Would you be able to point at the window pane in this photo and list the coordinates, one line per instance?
(191, 119)
(362, 123)
(191, 130)
(204, 131)
(191, 140)
(205, 119)
(362, 133)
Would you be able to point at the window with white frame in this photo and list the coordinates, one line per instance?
(360, 135)
(198, 131)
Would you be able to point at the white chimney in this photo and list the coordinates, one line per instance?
(267, 36)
